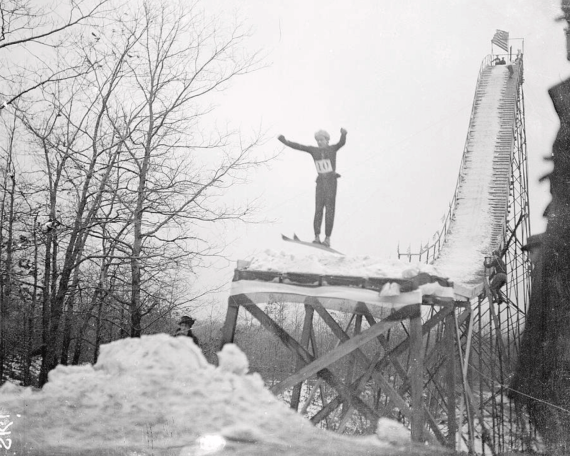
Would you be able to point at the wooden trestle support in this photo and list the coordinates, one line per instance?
(433, 352)
(437, 367)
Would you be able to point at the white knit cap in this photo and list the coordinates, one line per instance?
(322, 134)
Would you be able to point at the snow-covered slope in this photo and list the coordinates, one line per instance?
(479, 215)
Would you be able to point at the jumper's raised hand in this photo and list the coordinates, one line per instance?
(343, 131)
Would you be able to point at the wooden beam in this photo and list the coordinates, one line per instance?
(342, 350)
(357, 386)
(350, 369)
(503, 356)
(450, 380)
(306, 357)
(385, 345)
(403, 346)
(427, 326)
(416, 375)
(320, 381)
(470, 423)
(361, 357)
(305, 338)
(229, 329)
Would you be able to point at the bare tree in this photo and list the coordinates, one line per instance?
(6, 243)
(31, 29)
(129, 172)
(170, 170)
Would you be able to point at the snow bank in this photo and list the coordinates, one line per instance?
(160, 392)
(157, 388)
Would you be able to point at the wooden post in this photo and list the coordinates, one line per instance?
(351, 361)
(451, 377)
(416, 374)
(229, 329)
(309, 360)
(305, 338)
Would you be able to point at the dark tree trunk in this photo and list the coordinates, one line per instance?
(68, 320)
(542, 377)
(45, 310)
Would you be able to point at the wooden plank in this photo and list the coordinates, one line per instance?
(357, 386)
(450, 379)
(470, 424)
(434, 427)
(341, 351)
(384, 343)
(427, 326)
(501, 344)
(362, 358)
(406, 384)
(416, 376)
(395, 399)
(229, 329)
(307, 358)
(350, 368)
(305, 338)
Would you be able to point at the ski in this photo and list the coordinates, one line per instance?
(296, 240)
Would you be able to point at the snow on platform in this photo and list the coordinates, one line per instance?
(339, 282)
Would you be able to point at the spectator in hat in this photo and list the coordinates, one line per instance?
(534, 247)
(185, 328)
(497, 275)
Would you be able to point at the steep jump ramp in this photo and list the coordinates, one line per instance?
(479, 213)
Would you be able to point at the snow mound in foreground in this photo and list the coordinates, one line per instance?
(160, 392)
(157, 390)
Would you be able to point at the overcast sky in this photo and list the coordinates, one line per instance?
(400, 77)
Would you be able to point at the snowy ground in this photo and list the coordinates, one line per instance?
(158, 395)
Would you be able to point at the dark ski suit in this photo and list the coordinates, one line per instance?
(498, 276)
(181, 331)
(325, 197)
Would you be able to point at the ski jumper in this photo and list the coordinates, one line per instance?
(325, 195)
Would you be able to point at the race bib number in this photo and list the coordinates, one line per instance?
(323, 166)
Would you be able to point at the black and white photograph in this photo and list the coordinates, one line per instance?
(284, 227)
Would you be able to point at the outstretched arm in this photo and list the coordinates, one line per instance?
(342, 140)
(293, 145)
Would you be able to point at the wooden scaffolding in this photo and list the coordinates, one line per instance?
(421, 378)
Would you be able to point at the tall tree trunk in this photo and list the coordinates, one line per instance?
(81, 332)
(68, 319)
(6, 276)
(98, 330)
(32, 313)
(134, 306)
(46, 311)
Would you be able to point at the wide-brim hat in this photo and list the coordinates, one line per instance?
(186, 320)
(533, 241)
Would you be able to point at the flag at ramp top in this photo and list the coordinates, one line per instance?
(501, 39)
